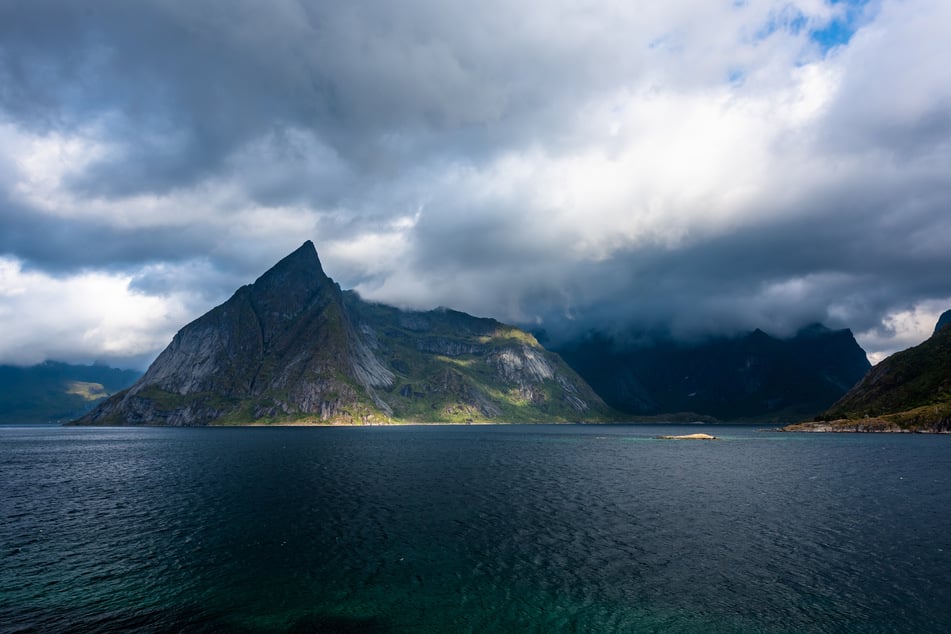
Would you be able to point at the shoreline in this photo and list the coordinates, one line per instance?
(427, 424)
(869, 426)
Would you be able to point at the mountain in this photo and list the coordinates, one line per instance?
(943, 321)
(54, 391)
(293, 348)
(754, 377)
(908, 391)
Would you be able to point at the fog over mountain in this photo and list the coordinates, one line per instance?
(694, 168)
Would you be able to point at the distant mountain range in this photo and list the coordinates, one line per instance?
(56, 392)
(908, 391)
(293, 348)
(753, 377)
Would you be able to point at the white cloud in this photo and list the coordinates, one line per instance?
(903, 329)
(81, 317)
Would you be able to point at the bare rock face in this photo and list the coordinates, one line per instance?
(292, 347)
(281, 347)
(522, 364)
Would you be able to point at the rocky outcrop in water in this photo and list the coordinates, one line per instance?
(293, 347)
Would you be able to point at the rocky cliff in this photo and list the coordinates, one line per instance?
(293, 347)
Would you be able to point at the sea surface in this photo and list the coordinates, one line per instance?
(548, 528)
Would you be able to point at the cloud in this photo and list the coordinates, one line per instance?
(686, 166)
(903, 329)
(106, 320)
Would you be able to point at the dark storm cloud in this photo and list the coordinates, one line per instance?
(687, 166)
(174, 105)
(851, 253)
(184, 85)
(60, 246)
(777, 278)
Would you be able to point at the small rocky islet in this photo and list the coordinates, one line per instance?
(689, 437)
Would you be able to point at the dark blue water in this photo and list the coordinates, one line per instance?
(472, 529)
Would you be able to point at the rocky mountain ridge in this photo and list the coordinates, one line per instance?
(294, 348)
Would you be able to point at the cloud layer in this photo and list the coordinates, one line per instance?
(694, 167)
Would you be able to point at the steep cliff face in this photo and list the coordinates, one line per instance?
(279, 347)
(751, 377)
(293, 347)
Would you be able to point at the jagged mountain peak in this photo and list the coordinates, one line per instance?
(299, 271)
(304, 259)
(292, 347)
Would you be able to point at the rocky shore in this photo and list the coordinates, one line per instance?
(923, 420)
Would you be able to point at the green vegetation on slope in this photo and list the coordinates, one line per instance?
(908, 391)
(453, 367)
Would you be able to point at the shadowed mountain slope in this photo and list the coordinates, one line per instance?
(755, 377)
(54, 391)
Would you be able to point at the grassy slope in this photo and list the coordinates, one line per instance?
(909, 391)
(433, 387)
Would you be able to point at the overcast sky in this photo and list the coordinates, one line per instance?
(697, 166)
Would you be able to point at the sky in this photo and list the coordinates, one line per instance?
(694, 168)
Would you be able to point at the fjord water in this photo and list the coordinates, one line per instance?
(472, 529)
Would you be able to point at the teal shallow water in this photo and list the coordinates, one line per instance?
(472, 529)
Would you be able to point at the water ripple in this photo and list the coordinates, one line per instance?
(527, 529)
